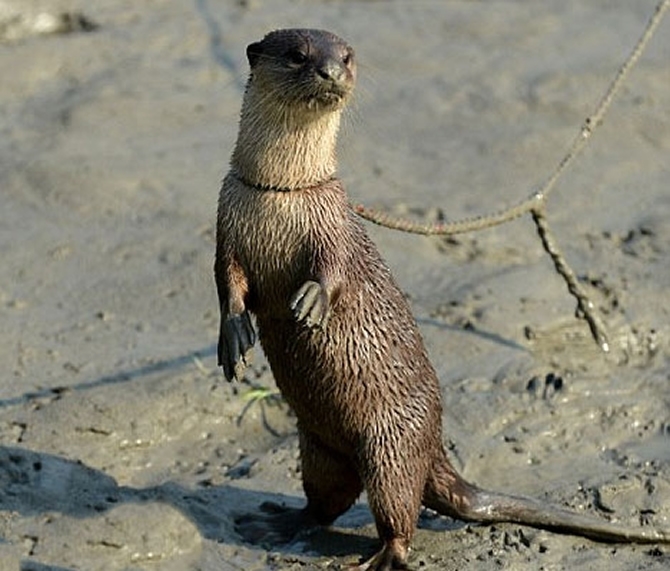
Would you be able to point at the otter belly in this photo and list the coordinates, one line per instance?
(355, 377)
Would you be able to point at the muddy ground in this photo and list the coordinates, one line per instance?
(120, 445)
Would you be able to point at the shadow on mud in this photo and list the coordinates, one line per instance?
(33, 483)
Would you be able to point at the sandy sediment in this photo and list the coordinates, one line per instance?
(120, 445)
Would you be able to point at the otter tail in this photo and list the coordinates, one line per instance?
(449, 494)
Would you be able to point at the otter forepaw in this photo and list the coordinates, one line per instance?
(311, 305)
(236, 338)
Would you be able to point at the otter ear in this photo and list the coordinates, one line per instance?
(254, 51)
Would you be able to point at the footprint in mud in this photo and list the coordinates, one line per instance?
(462, 314)
(34, 483)
(546, 389)
(649, 241)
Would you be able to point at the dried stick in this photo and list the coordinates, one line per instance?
(585, 307)
(535, 203)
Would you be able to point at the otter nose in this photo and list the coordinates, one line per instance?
(330, 69)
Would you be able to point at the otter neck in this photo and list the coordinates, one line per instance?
(284, 147)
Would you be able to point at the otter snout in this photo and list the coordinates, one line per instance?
(332, 69)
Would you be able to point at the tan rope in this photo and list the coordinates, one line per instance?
(535, 203)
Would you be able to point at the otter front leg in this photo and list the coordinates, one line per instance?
(313, 302)
(236, 338)
(236, 333)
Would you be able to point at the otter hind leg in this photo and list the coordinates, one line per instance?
(394, 492)
(331, 485)
(391, 557)
(330, 480)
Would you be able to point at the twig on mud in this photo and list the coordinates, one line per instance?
(535, 204)
(585, 308)
(262, 396)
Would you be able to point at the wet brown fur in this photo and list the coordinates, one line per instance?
(337, 331)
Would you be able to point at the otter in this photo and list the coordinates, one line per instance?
(337, 331)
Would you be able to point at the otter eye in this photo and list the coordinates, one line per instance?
(296, 57)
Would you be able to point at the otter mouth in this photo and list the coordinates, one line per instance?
(331, 98)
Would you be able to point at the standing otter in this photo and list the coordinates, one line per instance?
(338, 333)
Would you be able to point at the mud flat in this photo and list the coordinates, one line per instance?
(120, 445)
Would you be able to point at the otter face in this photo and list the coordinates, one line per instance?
(310, 68)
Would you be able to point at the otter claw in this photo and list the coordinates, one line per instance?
(310, 304)
(236, 338)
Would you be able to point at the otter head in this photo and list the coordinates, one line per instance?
(312, 69)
